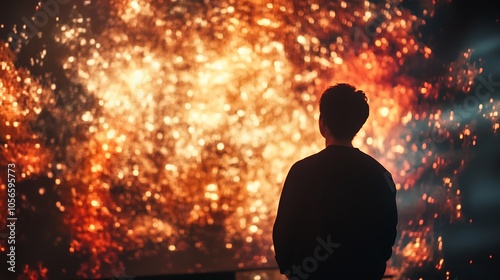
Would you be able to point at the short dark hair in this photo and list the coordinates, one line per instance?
(344, 110)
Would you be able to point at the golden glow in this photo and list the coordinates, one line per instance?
(202, 112)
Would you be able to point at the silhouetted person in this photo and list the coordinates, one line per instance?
(337, 213)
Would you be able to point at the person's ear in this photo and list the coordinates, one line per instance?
(322, 126)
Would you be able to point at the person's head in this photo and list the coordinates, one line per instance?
(343, 111)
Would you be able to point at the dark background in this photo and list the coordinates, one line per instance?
(456, 27)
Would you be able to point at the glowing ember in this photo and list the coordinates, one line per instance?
(22, 99)
(200, 109)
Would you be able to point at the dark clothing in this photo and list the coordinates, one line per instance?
(337, 217)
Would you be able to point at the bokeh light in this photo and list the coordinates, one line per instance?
(195, 110)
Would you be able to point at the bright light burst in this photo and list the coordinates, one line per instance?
(201, 108)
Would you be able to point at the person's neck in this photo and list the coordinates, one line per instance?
(332, 141)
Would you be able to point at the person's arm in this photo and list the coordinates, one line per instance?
(283, 230)
(392, 215)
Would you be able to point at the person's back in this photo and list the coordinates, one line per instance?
(337, 215)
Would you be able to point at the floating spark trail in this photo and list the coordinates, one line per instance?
(202, 107)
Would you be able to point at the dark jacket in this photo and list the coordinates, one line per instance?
(337, 217)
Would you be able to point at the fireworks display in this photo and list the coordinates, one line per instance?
(169, 148)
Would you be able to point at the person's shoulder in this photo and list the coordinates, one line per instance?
(308, 161)
(373, 162)
(378, 173)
